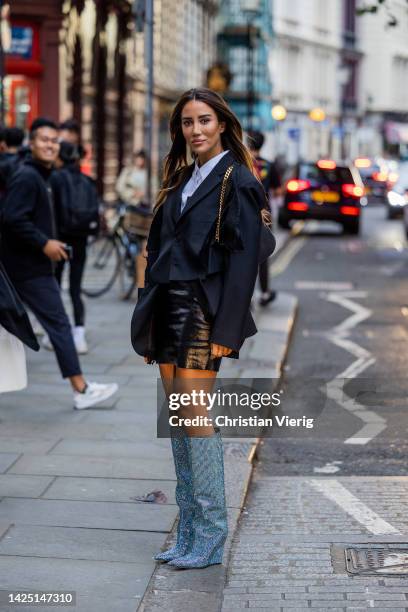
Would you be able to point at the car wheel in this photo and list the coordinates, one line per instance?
(352, 227)
(283, 220)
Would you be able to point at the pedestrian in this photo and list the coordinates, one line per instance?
(70, 131)
(131, 185)
(30, 250)
(11, 140)
(77, 215)
(15, 330)
(203, 253)
(269, 176)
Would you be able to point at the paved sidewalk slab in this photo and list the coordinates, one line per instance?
(96, 515)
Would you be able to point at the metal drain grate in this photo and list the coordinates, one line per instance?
(380, 560)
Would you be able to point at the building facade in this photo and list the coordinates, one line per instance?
(244, 41)
(32, 61)
(85, 59)
(306, 63)
(384, 75)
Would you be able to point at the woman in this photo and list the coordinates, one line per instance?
(132, 181)
(195, 308)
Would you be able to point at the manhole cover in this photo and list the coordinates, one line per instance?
(384, 560)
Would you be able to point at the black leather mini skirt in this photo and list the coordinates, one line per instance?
(182, 327)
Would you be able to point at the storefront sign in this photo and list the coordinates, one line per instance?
(21, 42)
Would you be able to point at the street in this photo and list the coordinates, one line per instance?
(344, 482)
(351, 325)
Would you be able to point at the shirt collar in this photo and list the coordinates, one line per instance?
(203, 171)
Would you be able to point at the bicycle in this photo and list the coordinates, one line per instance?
(112, 254)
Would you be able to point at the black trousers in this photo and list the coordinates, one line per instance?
(264, 276)
(43, 297)
(76, 271)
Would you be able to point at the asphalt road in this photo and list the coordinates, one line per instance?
(347, 363)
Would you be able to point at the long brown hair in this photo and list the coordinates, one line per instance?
(175, 163)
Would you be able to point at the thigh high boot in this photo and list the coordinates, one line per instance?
(210, 513)
(184, 496)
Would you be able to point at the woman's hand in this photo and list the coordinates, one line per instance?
(217, 350)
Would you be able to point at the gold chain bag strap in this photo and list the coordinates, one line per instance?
(227, 174)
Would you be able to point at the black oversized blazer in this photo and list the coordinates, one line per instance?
(181, 247)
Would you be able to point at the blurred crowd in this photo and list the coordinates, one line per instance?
(48, 210)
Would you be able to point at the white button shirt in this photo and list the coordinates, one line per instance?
(199, 174)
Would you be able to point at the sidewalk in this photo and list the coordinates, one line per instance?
(68, 520)
(288, 552)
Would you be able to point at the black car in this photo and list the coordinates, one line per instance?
(323, 190)
(374, 177)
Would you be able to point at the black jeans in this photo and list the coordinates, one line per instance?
(76, 270)
(43, 297)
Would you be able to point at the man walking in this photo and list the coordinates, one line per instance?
(271, 182)
(30, 250)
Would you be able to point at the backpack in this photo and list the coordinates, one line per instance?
(76, 202)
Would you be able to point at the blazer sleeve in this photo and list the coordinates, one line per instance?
(153, 242)
(241, 269)
(18, 211)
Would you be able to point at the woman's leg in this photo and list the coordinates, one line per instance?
(209, 523)
(182, 466)
(167, 373)
(190, 381)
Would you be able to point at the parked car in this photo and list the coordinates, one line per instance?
(323, 190)
(374, 176)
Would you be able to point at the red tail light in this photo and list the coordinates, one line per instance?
(296, 185)
(352, 211)
(299, 206)
(380, 176)
(352, 191)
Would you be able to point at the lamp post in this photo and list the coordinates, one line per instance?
(144, 21)
(343, 78)
(278, 113)
(317, 115)
(250, 9)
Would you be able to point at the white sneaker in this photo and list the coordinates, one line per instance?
(95, 393)
(81, 345)
(46, 343)
(37, 329)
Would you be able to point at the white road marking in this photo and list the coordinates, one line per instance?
(329, 286)
(329, 468)
(283, 259)
(374, 424)
(336, 492)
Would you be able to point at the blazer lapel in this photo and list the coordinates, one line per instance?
(208, 184)
(173, 200)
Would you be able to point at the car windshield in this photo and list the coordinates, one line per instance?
(337, 176)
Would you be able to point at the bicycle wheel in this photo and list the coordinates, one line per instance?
(128, 272)
(102, 266)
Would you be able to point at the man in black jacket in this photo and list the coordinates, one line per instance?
(30, 251)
